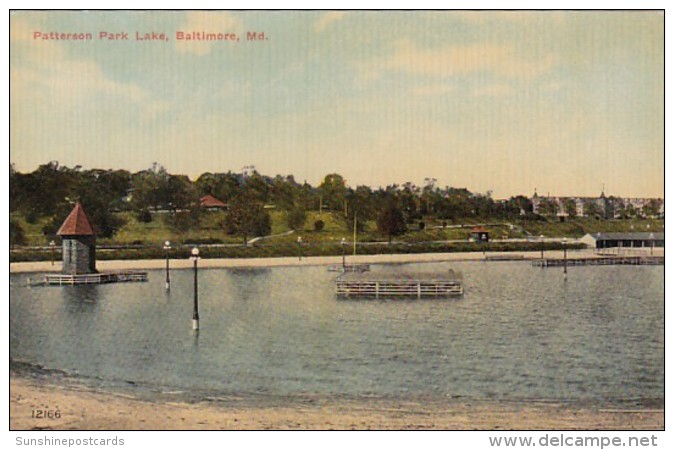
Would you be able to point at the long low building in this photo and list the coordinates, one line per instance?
(624, 240)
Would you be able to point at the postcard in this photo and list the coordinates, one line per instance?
(336, 220)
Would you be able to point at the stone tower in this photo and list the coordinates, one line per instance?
(79, 243)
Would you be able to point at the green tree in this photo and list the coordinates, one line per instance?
(391, 221)
(359, 207)
(257, 187)
(284, 192)
(223, 186)
(408, 198)
(457, 204)
(16, 234)
(181, 194)
(308, 197)
(614, 207)
(333, 192)
(570, 207)
(41, 192)
(520, 206)
(247, 218)
(592, 209)
(14, 188)
(150, 188)
(99, 191)
(429, 196)
(548, 207)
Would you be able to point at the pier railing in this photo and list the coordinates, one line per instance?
(94, 278)
(601, 261)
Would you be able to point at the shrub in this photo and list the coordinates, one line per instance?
(202, 241)
(319, 225)
(144, 216)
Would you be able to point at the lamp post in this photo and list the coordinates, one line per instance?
(52, 246)
(167, 247)
(564, 246)
(343, 243)
(299, 247)
(542, 246)
(195, 313)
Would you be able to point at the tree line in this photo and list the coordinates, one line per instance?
(51, 190)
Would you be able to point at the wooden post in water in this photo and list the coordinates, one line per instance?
(195, 313)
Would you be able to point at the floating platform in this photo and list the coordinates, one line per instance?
(396, 285)
(349, 268)
(602, 261)
(61, 279)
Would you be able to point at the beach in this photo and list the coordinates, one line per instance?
(82, 409)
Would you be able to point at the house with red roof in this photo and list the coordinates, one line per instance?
(479, 234)
(79, 243)
(211, 203)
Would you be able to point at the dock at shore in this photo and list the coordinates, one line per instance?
(601, 261)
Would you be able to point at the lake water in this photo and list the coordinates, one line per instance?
(519, 332)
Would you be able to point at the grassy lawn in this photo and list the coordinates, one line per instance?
(154, 233)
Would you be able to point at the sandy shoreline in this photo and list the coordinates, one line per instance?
(149, 264)
(88, 410)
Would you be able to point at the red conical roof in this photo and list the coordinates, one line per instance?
(76, 224)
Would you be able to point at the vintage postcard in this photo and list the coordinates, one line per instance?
(337, 220)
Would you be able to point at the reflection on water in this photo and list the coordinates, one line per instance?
(518, 332)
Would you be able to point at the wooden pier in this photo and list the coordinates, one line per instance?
(601, 261)
(60, 279)
(396, 285)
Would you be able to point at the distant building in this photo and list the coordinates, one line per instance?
(79, 243)
(479, 234)
(602, 206)
(211, 203)
(624, 240)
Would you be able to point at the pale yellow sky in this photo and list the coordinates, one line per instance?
(503, 101)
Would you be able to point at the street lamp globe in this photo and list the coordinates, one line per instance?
(195, 252)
